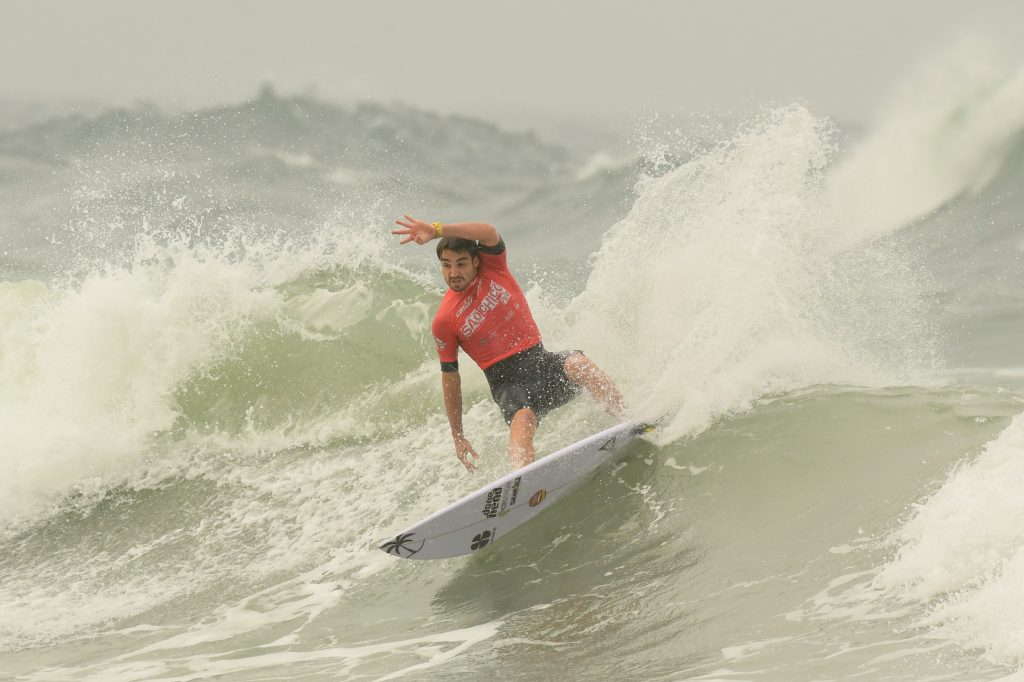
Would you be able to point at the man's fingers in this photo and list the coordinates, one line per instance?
(406, 240)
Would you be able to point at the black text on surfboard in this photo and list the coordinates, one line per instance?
(501, 499)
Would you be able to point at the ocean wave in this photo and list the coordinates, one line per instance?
(721, 285)
(955, 128)
(220, 392)
(961, 556)
(188, 337)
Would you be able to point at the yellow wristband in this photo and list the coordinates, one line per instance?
(437, 226)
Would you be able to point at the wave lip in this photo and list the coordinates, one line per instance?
(100, 374)
(97, 367)
(955, 127)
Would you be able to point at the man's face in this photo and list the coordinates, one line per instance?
(458, 269)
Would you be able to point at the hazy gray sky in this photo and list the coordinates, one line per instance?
(606, 60)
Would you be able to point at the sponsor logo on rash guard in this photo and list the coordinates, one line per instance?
(465, 304)
(495, 296)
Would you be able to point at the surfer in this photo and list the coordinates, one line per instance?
(486, 314)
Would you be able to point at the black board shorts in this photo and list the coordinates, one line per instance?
(534, 378)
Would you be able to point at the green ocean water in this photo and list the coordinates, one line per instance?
(218, 394)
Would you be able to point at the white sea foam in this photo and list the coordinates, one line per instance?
(719, 286)
(90, 370)
(962, 554)
(89, 375)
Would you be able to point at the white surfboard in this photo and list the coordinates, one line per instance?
(482, 517)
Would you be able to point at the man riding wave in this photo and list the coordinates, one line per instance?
(485, 313)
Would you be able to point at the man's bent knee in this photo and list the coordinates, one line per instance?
(577, 367)
(523, 417)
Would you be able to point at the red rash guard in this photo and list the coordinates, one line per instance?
(490, 320)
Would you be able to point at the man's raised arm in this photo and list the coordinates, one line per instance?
(422, 232)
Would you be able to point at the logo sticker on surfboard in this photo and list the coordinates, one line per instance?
(538, 497)
(484, 538)
(501, 500)
(403, 543)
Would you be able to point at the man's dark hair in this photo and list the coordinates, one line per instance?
(457, 244)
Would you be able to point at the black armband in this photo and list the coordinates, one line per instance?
(495, 250)
(450, 366)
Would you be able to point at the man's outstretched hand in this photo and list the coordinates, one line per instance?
(463, 450)
(415, 230)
